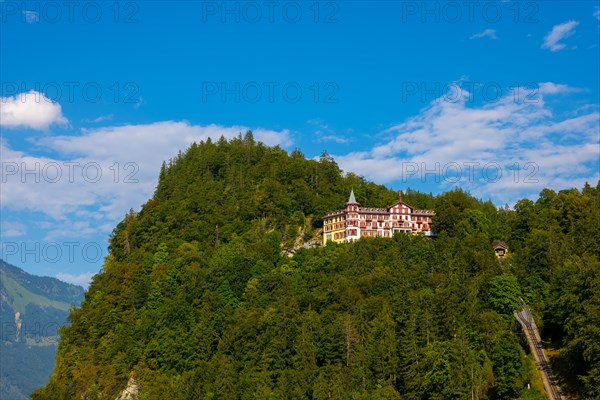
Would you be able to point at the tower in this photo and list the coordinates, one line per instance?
(352, 218)
(352, 199)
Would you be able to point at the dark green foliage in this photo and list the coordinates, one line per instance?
(507, 366)
(196, 300)
(556, 259)
(505, 294)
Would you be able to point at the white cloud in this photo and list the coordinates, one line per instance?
(30, 110)
(491, 33)
(101, 118)
(333, 138)
(558, 33)
(597, 14)
(12, 233)
(83, 279)
(12, 229)
(549, 151)
(31, 16)
(557, 88)
(102, 173)
(324, 133)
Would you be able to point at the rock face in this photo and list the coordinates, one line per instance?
(130, 392)
(300, 243)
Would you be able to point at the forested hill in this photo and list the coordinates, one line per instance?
(197, 301)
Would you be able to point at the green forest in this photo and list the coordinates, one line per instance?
(198, 299)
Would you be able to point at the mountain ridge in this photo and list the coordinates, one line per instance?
(50, 287)
(32, 309)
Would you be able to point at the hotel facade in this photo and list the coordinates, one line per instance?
(354, 221)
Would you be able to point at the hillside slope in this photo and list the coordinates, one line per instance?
(197, 301)
(32, 309)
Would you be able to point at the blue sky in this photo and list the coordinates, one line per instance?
(500, 98)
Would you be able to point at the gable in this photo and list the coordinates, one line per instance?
(400, 206)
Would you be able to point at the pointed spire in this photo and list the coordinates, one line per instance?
(400, 196)
(352, 199)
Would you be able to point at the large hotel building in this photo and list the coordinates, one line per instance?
(354, 221)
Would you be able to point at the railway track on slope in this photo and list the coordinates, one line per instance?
(525, 319)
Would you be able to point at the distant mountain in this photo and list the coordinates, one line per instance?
(32, 308)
